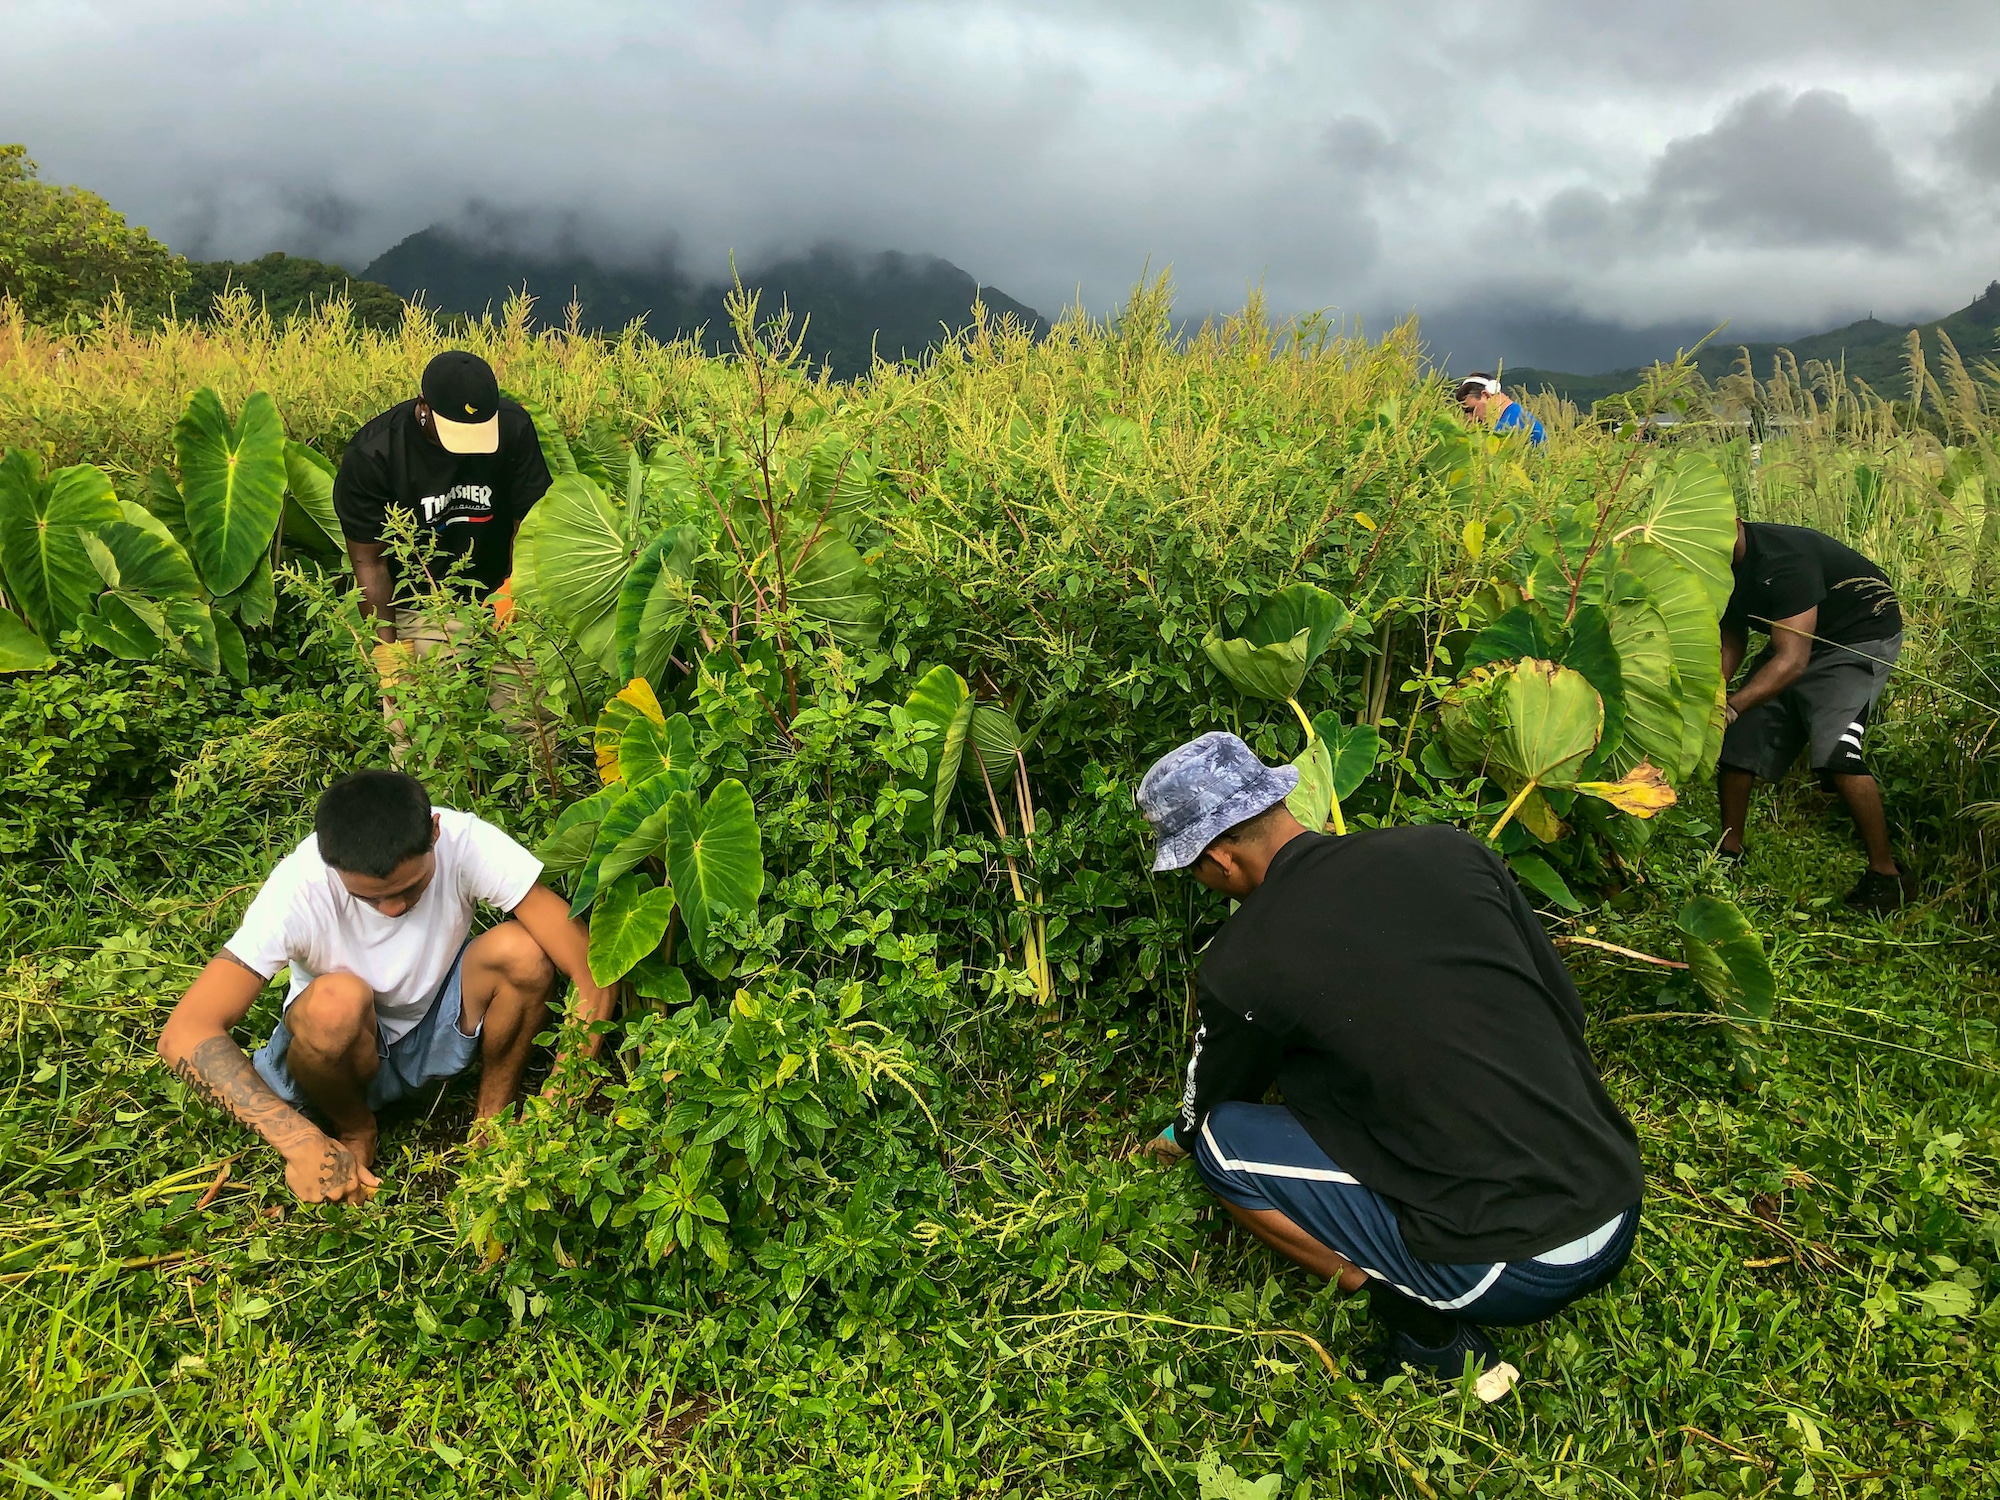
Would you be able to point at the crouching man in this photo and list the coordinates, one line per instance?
(1444, 1140)
(389, 992)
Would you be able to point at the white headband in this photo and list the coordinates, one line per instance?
(1477, 382)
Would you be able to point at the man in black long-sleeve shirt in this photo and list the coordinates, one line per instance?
(1444, 1138)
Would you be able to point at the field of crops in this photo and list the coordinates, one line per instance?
(847, 1209)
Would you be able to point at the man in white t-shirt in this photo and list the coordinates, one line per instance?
(389, 992)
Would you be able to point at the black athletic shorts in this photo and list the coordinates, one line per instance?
(1826, 709)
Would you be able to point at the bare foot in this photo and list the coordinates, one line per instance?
(362, 1142)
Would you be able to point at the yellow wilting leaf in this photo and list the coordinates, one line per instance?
(639, 693)
(1362, 518)
(634, 700)
(1641, 791)
(1474, 538)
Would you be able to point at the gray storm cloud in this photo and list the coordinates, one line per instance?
(1551, 159)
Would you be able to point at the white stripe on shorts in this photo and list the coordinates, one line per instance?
(1323, 1174)
(1273, 1168)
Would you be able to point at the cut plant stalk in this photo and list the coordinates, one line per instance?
(1031, 954)
(1027, 803)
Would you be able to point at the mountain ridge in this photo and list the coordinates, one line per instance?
(1869, 350)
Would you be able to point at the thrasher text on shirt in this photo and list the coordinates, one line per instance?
(462, 502)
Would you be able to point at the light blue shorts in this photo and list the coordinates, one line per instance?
(434, 1048)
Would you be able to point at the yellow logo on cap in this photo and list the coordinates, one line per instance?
(471, 410)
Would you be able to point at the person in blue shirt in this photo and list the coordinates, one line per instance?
(1485, 403)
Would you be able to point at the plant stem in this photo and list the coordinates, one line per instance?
(1029, 956)
(1513, 807)
(1308, 723)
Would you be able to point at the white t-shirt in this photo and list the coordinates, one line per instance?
(305, 917)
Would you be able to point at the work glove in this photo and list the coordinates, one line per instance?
(502, 600)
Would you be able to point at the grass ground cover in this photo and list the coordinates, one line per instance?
(956, 1284)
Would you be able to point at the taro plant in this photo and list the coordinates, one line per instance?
(1536, 725)
(1591, 660)
(957, 721)
(652, 858)
(190, 570)
(1727, 961)
(1281, 641)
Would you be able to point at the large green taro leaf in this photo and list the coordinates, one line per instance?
(1469, 712)
(577, 557)
(627, 924)
(1726, 959)
(619, 844)
(647, 750)
(1690, 514)
(49, 573)
(554, 446)
(165, 505)
(942, 701)
(996, 739)
(233, 484)
(1685, 608)
(1273, 672)
(650, 611)
(1520, 632)
(1280, 642)
(1311, 801)
(1589, 650)
(142, 559)
(310, 520)
(1552, 721)
(838, 480)
(230, 648)
(124, 626)
(191, 631)
(568, 845)
(1296, 607)
(1352, 749)
(832, 586)
(255, 603)
(715, 858)
(635, 700)
(1652, 689)
(21, 650)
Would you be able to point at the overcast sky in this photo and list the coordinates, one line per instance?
(1531, 177)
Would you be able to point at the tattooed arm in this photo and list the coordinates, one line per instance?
(197, 1049)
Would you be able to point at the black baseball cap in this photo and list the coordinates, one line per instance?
(464, 399)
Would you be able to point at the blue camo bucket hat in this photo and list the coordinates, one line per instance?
(1203, 789)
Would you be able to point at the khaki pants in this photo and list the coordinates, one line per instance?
(511, 694)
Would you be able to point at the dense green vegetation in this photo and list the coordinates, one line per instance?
(65, 252)
(847, 1210)
(291, 284)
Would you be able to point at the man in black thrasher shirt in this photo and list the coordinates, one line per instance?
(1835, 630)
(1444, 1139)
(463, 459)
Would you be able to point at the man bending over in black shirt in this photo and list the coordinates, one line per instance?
(1444, 1139)
(1835, 630)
